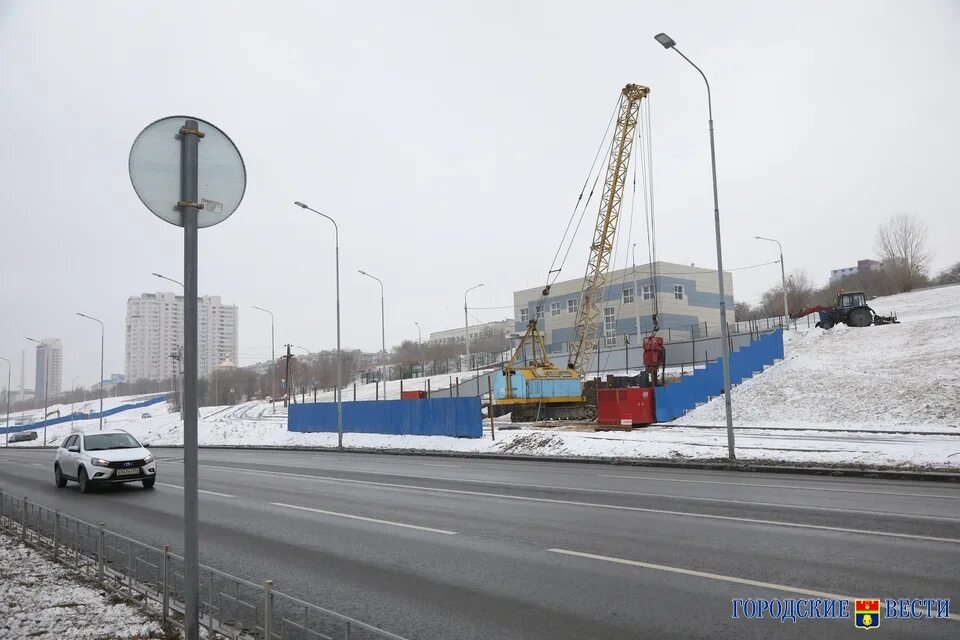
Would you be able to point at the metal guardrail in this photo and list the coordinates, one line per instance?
(230, 607)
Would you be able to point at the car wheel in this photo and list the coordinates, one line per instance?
(149, 482)
(58, 477)
(85, 485)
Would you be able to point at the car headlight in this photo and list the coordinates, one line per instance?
(99, 462)
(148, 459)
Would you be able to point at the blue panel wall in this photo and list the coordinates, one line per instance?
(676, 399)
(85, 416)
(459, 417)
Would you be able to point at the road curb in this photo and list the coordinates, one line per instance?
(704, 465)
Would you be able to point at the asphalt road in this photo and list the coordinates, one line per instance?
(446, 548)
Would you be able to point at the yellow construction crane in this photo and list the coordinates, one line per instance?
(591, 295)
(540, 389)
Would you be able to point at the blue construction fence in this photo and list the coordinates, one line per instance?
(86, 416)
(676, 399)
(459, 417)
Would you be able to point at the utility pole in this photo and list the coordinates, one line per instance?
(176, 358)
(9, 367)
(286, 381)
(273, 362)
(466, 322)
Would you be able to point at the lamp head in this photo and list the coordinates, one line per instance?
(301, 205)
(665, 40)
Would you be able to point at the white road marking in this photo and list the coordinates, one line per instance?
(434, 464)
(888, 514)
(374, 520)
(34, 464)
(714, 576)
(785, 486)
(213, 493)
(777, 523)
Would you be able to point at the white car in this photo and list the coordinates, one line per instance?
(103, 457)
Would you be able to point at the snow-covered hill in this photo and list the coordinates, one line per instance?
(884, 377)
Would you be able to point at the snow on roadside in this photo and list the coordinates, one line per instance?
(43, 600)
(252, 424)
(887, 377)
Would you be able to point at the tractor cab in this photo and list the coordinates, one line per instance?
(851, 300)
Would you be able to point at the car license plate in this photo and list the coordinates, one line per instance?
(128, 472)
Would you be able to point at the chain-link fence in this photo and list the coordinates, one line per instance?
(230, 607)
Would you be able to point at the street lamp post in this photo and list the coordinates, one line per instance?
(383, 333)
(273, 362)
(466, 322)
(336, 230)
(46, 383)
(83, 315)
(669, 43)
(159, 343)
(783, 281)
(9, 368)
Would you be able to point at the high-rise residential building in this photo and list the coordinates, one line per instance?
(154, 333)
(55, 361)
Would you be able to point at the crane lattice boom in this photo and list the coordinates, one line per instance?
(591, 295)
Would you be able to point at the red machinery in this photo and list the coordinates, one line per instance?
(654, 359)
(626, 407)
(413, 395)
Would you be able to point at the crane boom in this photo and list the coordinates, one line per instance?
(591, 294)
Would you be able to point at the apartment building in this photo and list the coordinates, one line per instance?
(154, 333)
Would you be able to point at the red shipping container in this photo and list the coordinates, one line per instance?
(413, 395)
(632, 406)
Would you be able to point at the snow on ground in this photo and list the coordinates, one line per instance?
(254, 424)
(885, 377)
(43, 600)
(837, 386)
(89, 406)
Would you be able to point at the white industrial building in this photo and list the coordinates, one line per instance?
(155, 332)
(863, 266)
(477, 331)
(687, 296)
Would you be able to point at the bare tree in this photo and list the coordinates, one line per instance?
(902, 245)
(800, 294)
(742, 311)
(950, 275)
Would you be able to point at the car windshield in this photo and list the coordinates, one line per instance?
(104, 441)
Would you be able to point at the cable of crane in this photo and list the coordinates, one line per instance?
(556, 272)
(646, 161)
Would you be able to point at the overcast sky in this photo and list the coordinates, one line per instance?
(449, 140)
